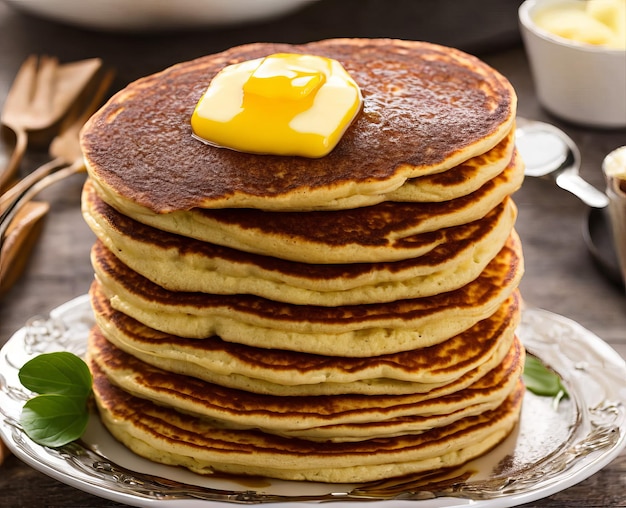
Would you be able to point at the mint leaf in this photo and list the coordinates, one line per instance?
(541, 380)
(59, 373)
(53, 419)
(60, 413)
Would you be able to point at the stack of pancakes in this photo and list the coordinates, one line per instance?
(341, 319)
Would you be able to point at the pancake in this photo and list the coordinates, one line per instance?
(426, 109)
(337, 418)
(167, 436)
(357, 330)
(385, 232)
(468, 355)
(181, 264)
(348, 318)
(460, 180)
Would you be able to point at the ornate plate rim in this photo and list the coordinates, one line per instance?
(596, 378)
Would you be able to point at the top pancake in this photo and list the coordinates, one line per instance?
(426, 109)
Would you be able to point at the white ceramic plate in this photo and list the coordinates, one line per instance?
(157, 15)
(550, 450)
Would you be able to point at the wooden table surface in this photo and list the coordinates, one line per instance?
(560, 274)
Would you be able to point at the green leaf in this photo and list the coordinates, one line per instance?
(60, 413)
(60, 373)
(54, 420)
(541, 380)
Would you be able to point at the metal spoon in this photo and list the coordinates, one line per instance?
(548, 151)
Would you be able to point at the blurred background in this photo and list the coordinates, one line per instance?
(476, 26)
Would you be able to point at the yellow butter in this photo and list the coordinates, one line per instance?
(283, 104)
(289, 77)
(595, 22)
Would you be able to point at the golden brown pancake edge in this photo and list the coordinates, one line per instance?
(426, 108)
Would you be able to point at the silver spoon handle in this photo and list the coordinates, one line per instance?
(572, 182)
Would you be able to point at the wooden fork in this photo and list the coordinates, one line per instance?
(64, 151)
(20, 217)
(42, 93)
(66, 160)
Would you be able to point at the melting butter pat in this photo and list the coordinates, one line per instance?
(283, 104)
(595, 22)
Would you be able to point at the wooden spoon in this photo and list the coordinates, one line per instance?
(19, 241)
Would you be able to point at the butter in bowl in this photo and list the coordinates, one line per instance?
(577, 56)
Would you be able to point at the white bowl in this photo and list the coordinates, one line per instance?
(577, 82)
(153, 15)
